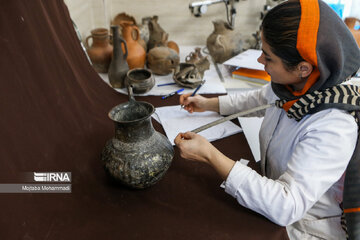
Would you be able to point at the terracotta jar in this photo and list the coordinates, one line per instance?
(136, 53)
(118, 66)
(224, 42)
(350, 22)
(100, 50)
(173, 45)
(123, 17)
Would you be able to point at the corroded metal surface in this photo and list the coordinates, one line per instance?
(137, 156)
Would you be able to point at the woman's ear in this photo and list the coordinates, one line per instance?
(305, 69)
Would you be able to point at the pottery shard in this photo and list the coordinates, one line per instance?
(162, 60)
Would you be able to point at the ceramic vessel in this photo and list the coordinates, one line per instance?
(136, 53)
(173, 45)
(162, 60)
(224, 42)
(141, 80)
(137, 156)
(350, 23)
(201, 62)
(100, 50)
(157, 34)
(118, 66)
(144, 29)
(122, 17)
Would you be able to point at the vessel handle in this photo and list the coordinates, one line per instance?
(137, 33)
(125, 46)
(130, 92)
(87, 41)
(219, 40)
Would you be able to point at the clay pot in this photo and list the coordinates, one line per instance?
(350, 23)
(195, 56)
(140, 79)
(201, 62)
(123, 17)
(224, 42)
(144, 29)
(118, 66)
(137, 156)
(157, 34)
(100, 50)
(162, 60)
(136, 53)
(173, 45)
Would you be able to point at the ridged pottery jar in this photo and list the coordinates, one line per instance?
(137, 156)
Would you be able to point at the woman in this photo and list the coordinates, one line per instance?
(309, 138)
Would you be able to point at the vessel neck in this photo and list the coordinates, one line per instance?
(134, 131)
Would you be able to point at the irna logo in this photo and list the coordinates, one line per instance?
(52, 177)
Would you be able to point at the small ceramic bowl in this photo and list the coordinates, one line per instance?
(141, 79)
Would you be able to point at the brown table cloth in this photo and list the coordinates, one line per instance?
(53, 118)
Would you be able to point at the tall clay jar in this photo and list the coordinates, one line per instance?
(118, 66)
(136, 53)
(100, 50)
(137, 156)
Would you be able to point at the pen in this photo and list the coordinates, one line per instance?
(172, 93)
(198, 87)
(166, 84)
(196, 90)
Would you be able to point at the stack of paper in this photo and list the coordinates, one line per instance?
(252, 75)
(175, 120)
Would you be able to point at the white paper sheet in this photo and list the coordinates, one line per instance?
(246, 59)
(251, 127)
(175, 120)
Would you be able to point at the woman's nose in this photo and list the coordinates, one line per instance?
(261, 59)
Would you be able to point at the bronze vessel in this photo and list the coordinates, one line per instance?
(137, 156)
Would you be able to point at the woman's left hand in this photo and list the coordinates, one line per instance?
(193, 146)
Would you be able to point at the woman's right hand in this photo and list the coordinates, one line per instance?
(198, 103)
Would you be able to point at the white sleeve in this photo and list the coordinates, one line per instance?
(320, 158)
(233, 103)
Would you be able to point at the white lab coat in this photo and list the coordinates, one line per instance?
(305, 164)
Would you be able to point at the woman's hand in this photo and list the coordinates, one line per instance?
(199, 103)
(195, 147)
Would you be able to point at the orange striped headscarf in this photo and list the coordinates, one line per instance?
(306, 43)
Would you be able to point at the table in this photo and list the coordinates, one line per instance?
(187, 203)
(53, 119)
